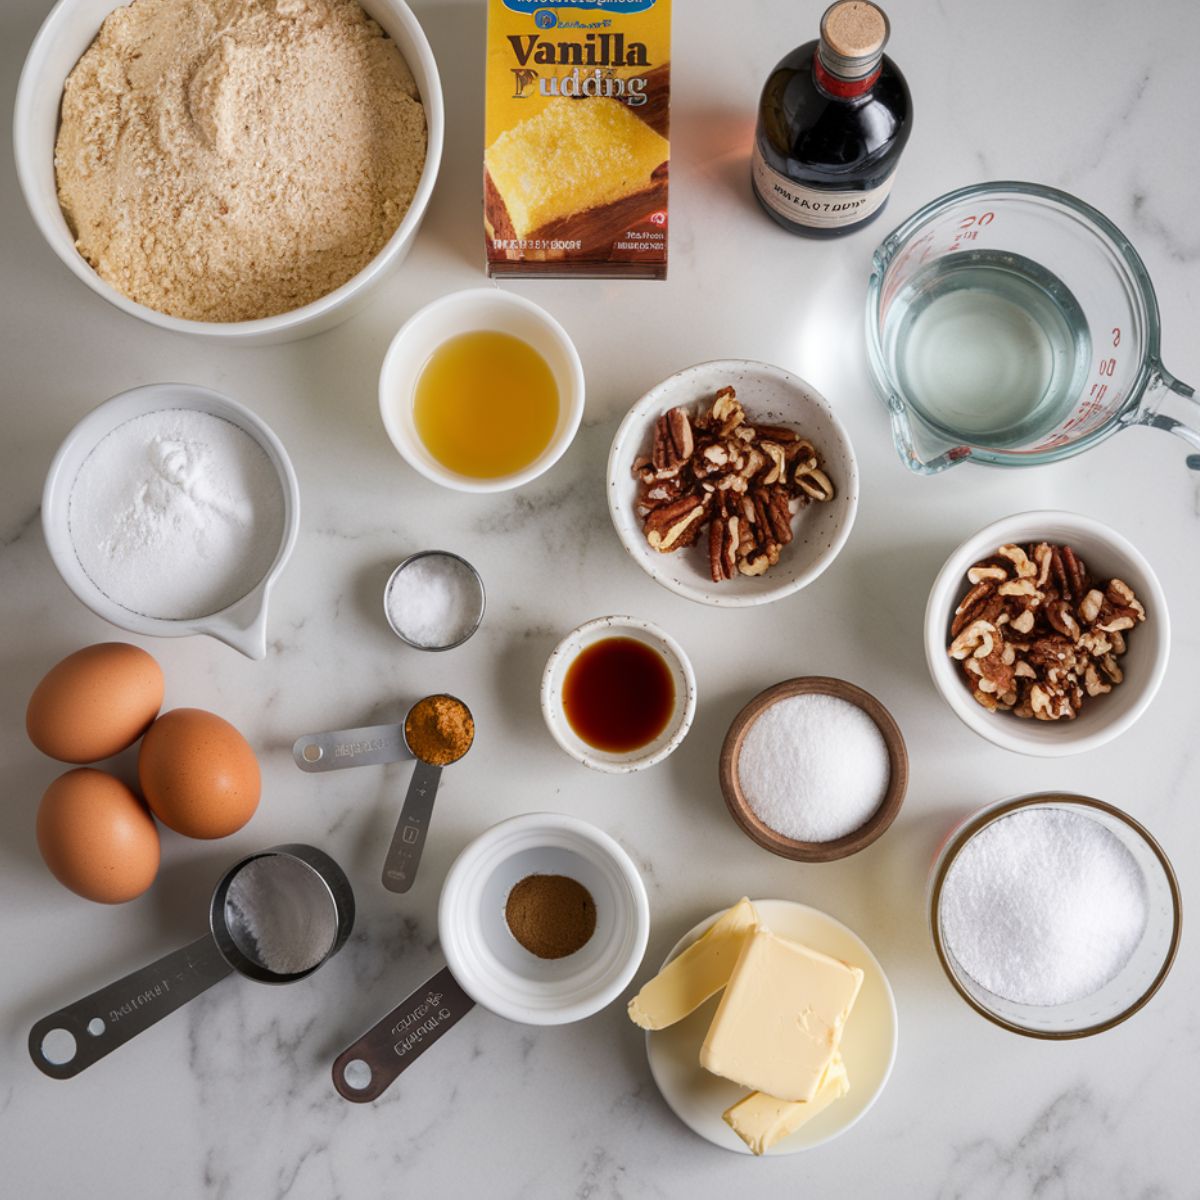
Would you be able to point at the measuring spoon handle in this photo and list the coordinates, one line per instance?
(108, 1018)
(366, 746)
(408, 842)
(396, 1042)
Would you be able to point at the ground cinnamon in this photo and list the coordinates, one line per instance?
(550, 915)
(439, 730)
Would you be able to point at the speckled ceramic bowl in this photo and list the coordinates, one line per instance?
(565, 654)
(775, 397)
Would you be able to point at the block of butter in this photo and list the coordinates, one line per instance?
(698, 973)
(761, 1120)
(781, 1017)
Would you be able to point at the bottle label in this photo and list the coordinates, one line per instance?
(819, 208)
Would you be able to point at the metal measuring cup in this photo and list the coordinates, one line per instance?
(316, 895)
(370, 745)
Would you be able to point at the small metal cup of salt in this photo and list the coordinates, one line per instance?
(434, 600)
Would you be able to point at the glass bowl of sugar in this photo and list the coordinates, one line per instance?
(1055, 916)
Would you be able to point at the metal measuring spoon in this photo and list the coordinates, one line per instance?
(259, 906)
(408, 842)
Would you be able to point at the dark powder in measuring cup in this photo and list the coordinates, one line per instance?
(550, 915)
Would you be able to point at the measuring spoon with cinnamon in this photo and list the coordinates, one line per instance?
(437, 731)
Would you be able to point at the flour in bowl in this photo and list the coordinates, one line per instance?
(226, 160)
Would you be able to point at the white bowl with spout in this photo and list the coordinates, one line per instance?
(242, 624)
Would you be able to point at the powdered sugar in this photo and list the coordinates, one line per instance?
(814, 767)
(176, 514)
(1045, 906)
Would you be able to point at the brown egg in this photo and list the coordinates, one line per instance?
(198, 774)
(97, 837)
(95, 702)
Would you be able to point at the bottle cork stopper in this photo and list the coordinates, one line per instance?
(854, 29)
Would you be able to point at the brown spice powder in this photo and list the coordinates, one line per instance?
(439, 730)
(551, 915)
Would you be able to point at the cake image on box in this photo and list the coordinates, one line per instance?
(581, 170)
(577, 151)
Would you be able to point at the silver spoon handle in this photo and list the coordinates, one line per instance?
(408, 842)
(110, 1017)
(397, 1041)
(366, 746)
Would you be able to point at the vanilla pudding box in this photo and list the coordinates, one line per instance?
(577, 138)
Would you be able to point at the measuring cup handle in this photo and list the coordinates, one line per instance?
(408, 842)
(396, 1042)
(1163, 384)
(108, 1018)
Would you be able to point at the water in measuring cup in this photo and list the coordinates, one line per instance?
(990, 347)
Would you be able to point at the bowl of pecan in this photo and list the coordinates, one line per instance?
(732, 483)
(1047, 633)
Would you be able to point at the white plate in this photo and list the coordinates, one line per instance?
(770, 395)
(868, 1045)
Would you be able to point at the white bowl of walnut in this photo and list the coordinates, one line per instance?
(732, 483)
(1047, 633)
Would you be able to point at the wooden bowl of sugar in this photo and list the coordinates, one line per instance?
(814, 769)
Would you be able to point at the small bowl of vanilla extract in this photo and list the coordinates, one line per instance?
(618, 694)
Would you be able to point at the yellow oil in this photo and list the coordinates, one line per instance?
(486, 404)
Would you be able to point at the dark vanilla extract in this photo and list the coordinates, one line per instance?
(618, 694)
(833, 120)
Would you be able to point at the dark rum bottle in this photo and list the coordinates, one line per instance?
(834, 116)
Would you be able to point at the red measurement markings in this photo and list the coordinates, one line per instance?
(969, 227)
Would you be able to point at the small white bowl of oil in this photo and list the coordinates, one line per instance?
(481, 391)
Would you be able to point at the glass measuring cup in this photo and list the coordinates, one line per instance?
(1012, 324)
(274, 917)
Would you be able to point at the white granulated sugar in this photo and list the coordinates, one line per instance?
(434, 601)
(280, 914)
(1045, 906)
(814, 767)
(176, 514)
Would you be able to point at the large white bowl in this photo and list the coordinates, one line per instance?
(493, 968)
(770, 395)
(243, 624)
(466, 312)
(66, 33)
(1106, 554)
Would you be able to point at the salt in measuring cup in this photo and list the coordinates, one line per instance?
(369, 745)
(1012, 324)
(275, 917)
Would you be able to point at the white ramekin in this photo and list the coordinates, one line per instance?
(1106, 554)
(491, 965)
(243, 625)
(554, 712)
(66, 33)
(475, 309)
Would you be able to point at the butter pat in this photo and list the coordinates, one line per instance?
(761, 1120)
(698, 973)
(781, 1017)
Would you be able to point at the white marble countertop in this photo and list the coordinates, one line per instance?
(231, 1097)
